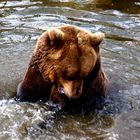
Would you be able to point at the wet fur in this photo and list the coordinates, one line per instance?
(55, 56)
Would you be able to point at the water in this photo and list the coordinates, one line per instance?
(23, 21)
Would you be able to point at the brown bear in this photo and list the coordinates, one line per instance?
(65, 67)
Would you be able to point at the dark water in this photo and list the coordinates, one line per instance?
(21, 23)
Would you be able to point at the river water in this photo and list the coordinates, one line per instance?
(23, 21)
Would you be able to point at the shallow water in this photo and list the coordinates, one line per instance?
(21, 23)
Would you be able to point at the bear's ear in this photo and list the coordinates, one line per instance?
(55, 36)
(97, 38)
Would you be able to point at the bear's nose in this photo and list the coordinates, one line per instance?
(61, 90)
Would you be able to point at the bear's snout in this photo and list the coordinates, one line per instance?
(72, 89)
(61, 90)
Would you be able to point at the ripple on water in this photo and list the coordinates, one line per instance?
(18, 119)
(26, 120)
(127, 125)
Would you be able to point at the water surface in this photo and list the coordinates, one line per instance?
(23, 21)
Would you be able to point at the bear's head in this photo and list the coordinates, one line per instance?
(65, 62)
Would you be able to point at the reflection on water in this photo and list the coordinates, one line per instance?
(21, 23)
